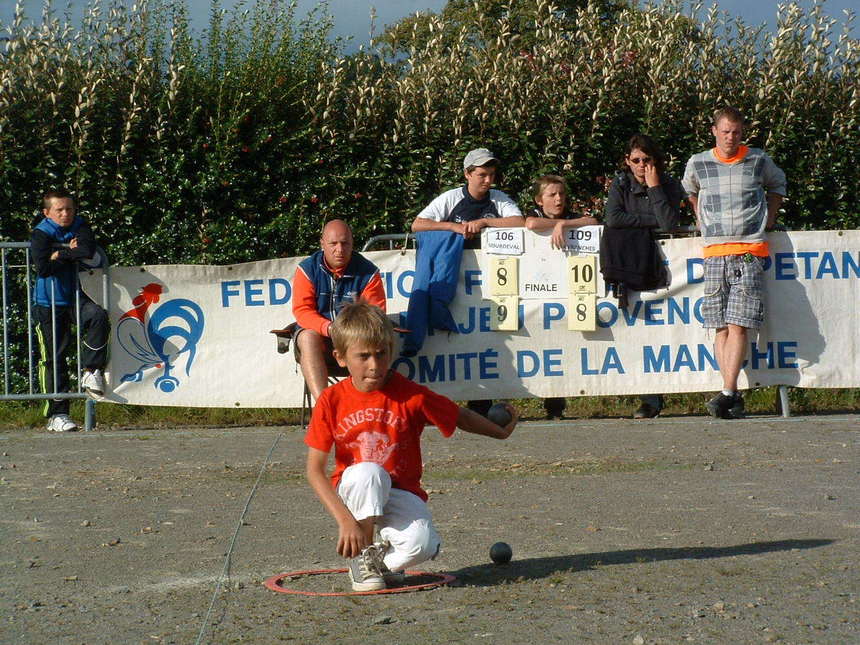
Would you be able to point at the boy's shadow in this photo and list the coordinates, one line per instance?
(487, 575)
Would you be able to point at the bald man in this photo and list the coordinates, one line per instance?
(324, 283)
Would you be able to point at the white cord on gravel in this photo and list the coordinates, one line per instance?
(225, 572)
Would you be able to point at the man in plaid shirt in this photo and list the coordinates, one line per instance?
(736, 192)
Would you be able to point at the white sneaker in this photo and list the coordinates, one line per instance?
(364, 572)
(392, 578)
(61, 423)
(93, 382)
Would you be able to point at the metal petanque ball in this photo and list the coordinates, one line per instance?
(499, 415)
(501, 553)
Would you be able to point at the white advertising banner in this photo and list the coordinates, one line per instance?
(192, 335)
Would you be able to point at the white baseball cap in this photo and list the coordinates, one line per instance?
(478, 157)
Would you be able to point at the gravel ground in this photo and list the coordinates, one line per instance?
(671, 530)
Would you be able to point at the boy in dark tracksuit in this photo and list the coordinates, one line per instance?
(54, 300)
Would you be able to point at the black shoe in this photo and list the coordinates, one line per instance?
(737, 410)
(481, 406)
(554, 407)
(720, 406)
(646, 411)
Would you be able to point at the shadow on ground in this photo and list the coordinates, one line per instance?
(487, 575)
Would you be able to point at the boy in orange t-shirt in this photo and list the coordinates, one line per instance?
(374, 420)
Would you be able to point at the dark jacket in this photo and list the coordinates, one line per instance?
(632, 205)
(62, 272)
(630, 259)
(333, 293)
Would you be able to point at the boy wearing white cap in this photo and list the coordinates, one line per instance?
(465, 210)
(468, 209)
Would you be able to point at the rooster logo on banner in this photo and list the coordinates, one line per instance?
(158, 336)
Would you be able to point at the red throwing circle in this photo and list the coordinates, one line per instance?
(274, 583)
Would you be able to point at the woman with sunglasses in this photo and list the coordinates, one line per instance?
(642, 195)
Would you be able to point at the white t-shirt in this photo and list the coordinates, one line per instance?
(457, 205)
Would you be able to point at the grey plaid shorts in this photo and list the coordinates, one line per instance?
(733, 292)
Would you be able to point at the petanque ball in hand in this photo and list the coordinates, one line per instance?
(501, 553)
(499, 415)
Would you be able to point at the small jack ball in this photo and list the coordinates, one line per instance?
(501, 553)
(499, 415)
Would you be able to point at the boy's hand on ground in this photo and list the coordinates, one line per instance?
(351, 540)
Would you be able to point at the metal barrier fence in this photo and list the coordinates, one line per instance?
(17, 279)
(402, 241)
(390, 240)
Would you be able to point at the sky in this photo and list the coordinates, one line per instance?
(352, 17)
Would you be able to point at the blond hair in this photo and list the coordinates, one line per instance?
(361, 322)
(543, 181)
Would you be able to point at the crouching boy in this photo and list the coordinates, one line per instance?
(374, 420)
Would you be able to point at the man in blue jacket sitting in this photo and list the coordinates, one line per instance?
(54, 300)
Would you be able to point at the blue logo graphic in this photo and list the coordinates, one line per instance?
(159, 336)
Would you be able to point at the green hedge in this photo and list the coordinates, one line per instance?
(234, 147)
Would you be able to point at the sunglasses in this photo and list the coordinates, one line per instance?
(637, 160)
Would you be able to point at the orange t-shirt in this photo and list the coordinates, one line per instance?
(759, 249)
(383, 426)
(739, 154)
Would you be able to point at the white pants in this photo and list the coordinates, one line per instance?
(403, 518)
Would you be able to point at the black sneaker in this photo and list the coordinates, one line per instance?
(481, 406)
(646, 411)
(737, 410)
(554, 407)
(720, 406)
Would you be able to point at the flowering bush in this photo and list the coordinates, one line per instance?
(237, 146)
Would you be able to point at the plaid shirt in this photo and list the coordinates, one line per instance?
(733, 196)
